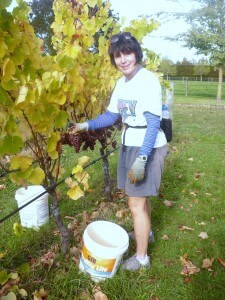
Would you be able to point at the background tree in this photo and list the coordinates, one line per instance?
(41, 18)
(167, 67)
(206, 34)
(201, 68)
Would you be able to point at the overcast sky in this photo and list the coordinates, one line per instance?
(131, 9)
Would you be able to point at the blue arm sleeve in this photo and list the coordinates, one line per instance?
(103, 120)
(153, 126)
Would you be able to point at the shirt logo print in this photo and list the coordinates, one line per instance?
(126, 108)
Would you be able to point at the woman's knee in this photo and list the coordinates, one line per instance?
(137, 205)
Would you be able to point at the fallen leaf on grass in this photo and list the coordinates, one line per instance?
(207, 263)
(40, 295)
(94, 215)
(9, 296)
(85, 296)
(152, 280)
(3, 254)
(190, 158)
(188, 267)
(2, 186)
(198, 175)
(192, 193)
(201, 224)
(222, 262)
(98, 294)
(122, 213)
(203, 235)
(168, 203)
(23, 293)
(187, 279)
(165, 237)
(182, 228)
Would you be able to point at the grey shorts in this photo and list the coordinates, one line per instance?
(150, 185)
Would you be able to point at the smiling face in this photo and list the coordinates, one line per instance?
(126, 63)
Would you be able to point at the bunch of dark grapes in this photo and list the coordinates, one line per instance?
(87, 140)
(73, 140)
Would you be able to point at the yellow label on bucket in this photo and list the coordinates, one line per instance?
(97, 263)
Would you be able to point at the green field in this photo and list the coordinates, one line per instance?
(196, 92)
(194, 181)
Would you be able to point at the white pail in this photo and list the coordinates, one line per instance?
(36, 213)
(104, 244)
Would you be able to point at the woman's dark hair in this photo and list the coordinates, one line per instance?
(124, 43)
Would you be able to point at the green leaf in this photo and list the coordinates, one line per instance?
(24, 269)
(61, 119)
(18, 229)
(3, 277)
(11, 126)
(10, 145)
(66, 62)
(3, 96)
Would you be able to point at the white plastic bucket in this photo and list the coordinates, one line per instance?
(36, 213)
(104, 244)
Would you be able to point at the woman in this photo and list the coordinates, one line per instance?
(137, 98)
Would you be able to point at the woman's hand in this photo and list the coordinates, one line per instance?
(76, 127)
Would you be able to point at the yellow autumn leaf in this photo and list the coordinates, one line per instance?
(93, 99)
(3, 254)
(72, 50)
(52, 144)
(68, 181)
(18, 229)
(8, 70)
(71, 183)
(53, 154)
(77, 169)
(68, 28)
(92, 3)
(3, 48)
(37, 176)
(75, 193)
(83, 160)
(22, 94)
(20, 162)
(83, 179)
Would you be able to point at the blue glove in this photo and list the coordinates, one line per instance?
(137, 170)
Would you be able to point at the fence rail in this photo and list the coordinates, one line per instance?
(197, 78)
(206, 90)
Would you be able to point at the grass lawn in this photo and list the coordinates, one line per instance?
(196, 92)
(194, 182)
